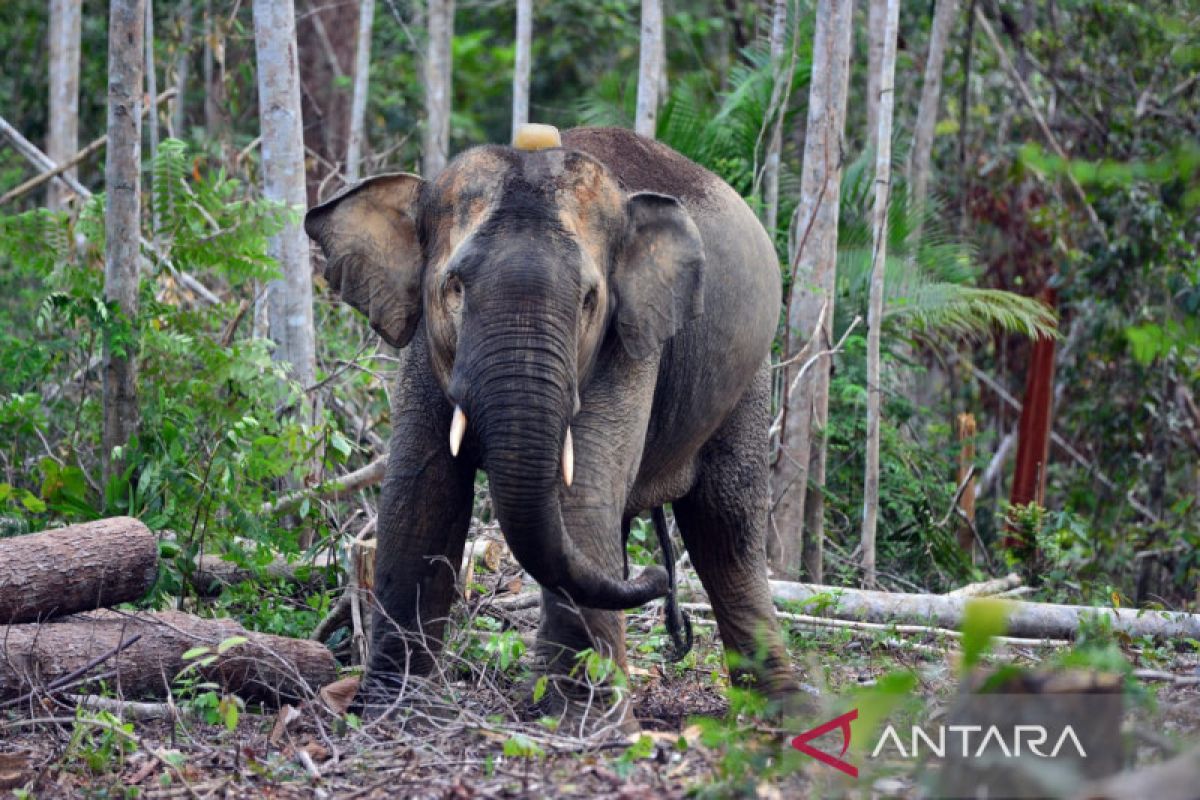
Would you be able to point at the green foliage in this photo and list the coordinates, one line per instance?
(984, 618)
(219, 432)
(100, 741)
(929, 284)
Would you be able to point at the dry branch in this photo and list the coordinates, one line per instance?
(335, 489)
(215, 573)
(986, 588)
(268, 668)
(76, 568)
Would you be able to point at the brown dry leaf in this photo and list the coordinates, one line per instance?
(145, 771)
(338, 695)
(15, 769)
(318, 751)
(286, 716)
(513, 586)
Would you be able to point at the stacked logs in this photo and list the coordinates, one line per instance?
(57, 633)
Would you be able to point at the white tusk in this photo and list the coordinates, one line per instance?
(568, 459)
(458, 426)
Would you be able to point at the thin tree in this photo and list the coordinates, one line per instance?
(356, 144)
(775, 143)
(522, 66)
(63, 138)
(876, 15)
(183, 61)
(799, 475)
(879, 224)
(151, 93)
(650, 68)
(438, 71)
(122, 231)
(944, 15)
(289, 299)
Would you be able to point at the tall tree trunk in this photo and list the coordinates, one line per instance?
(775, 143)
(327, 59)
(183, 63)
(799, 474)
(649, 68)
(63, 138)
(290, 297)
(122, 216)
(438, 71)
(523, 65)
(876, 17)
(151, 93)
(358, 104)
(879, 224)
(217, 122)
(944, 16)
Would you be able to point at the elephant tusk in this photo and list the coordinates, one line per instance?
(458, 426)
(568, 459)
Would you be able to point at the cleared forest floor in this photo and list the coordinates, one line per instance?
(471, 740)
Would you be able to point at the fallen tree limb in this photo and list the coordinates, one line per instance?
(39, 159)
(879, 627)
(272, 669)
(76, 568)
(126, 709)
(1041, 620)
(73, 161)
(990, 587)
(214, 573)
(335, 489)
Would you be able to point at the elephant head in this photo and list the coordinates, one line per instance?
(525, 267)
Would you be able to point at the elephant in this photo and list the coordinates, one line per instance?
(590, 324)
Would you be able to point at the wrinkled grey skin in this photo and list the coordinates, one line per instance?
(612, 286)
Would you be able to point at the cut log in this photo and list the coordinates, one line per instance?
(271, 669)
(76, 568)
(1039, 620)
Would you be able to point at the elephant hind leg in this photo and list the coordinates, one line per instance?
(723, 520)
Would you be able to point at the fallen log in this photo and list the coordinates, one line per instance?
(1025, 619)
(271, 669)
(76, 568)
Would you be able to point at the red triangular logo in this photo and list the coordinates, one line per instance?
(841, 723)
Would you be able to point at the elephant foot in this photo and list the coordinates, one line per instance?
(392, 695)
(580, 709)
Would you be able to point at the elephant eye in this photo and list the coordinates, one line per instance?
(454, 292)
(589, 301)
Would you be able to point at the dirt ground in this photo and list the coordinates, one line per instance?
(470, 741)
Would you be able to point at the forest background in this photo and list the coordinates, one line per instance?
(1115, 91)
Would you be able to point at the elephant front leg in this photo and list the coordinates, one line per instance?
(424, 513)
(582, 650)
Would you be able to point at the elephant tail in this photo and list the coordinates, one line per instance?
(678, 625)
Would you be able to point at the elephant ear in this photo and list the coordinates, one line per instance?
(373, 255)
(659, 275)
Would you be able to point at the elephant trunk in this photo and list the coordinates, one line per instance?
(520, 404)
